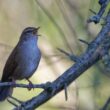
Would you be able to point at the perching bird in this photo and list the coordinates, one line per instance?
(22, 62)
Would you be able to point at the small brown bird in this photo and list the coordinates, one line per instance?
(22, 62)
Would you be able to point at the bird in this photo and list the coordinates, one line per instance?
(22, 62)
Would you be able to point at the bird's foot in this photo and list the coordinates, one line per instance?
(31, 86)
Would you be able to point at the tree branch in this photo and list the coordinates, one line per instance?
(86, 60)
(13, 84)
(97, 17)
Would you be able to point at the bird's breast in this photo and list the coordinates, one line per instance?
(28, 58)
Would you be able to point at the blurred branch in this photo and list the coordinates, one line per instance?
(55, 23)
(5, 45)
(106, 104)
(60, 4)
(75, 9)
(92, 55)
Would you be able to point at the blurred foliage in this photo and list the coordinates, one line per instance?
(62, 23)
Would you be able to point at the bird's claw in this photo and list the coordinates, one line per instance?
(31, 86)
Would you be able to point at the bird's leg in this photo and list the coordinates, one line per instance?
(30, 84)
(11, 79)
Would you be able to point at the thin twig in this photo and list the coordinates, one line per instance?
(83, 41)
(22, 85)
(66, 92)
(71, 56)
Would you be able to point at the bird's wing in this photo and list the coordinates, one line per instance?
(10, 66)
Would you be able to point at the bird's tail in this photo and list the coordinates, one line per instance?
(5, 92)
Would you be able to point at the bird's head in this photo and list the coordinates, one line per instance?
(30, 30)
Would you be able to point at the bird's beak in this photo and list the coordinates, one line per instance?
(36, 31)
(38, 28)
